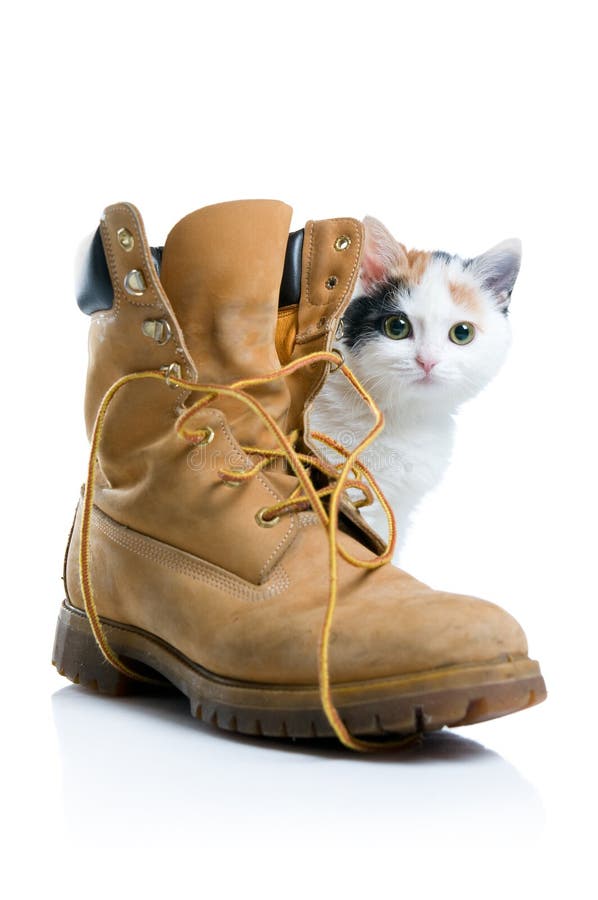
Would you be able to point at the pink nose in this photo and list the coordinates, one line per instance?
(426, 364)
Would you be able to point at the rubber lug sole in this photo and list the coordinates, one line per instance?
(415, 703)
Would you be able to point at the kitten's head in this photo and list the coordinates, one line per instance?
(428, 326)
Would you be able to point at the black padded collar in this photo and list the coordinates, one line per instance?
(290, 286)
(95, 291)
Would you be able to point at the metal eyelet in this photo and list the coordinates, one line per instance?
(173, 370)
(206, 439)
(343, 242)
(233, 484)
(340, 330)
(265, 523)
(341, 361)
(135, 282)
(125, 239)
(331, 282)
(157, 329)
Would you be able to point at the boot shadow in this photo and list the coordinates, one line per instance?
(171, 707)
(142, 766)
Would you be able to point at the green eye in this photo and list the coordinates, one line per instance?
(462, 333)
(397, 327)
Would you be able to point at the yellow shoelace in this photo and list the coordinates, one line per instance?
(311, 498)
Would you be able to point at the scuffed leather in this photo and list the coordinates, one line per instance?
(149, 478)
(221, 268)
(386, 622)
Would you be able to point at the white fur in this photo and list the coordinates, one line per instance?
(411, 455)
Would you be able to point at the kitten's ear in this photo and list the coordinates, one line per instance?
(382, 254)
(498, 269)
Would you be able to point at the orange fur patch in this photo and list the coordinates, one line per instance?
(418, 263)
(414, 265)
(464, 295)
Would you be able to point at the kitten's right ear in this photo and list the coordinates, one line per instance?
(382, 254)
(498, 269)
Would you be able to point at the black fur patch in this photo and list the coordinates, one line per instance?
(365, 315)
(440, 254)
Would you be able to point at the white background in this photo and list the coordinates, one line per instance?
(458, 124)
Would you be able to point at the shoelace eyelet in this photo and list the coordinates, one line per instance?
(265, 523)
(158, 330)
(342, 242)
(229, 482)
(341, 361)
(207, 438)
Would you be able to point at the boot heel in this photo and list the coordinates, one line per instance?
(77, 656)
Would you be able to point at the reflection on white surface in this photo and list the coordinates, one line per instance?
(141, 769)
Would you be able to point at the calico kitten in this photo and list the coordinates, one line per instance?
(424, 332)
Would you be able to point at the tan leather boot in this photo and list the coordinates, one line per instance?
(212, 548)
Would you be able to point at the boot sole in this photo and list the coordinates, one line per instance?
(415, 703)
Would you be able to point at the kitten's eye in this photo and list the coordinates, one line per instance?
(462, 333)
(397, 327)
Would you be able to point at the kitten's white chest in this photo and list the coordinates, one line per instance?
(408, 459)
(408, 465)
(414, 454)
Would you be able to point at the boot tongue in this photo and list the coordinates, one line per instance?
(221, 270)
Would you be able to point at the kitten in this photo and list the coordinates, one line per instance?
(424, 332)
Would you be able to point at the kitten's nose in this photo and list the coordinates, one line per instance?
(426, 364)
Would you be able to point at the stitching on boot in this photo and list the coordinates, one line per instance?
(263, 481)
(305, 519)
(184, 564)
(159, 303)
(309, 259)
(356, 255)
(132, 220)
(345, 223)
(312, 332)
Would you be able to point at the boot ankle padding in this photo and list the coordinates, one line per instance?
(286, 333)
(290, 286)
(94, 288)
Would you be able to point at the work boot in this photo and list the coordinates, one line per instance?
(213, 547)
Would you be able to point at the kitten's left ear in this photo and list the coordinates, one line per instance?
(498, 268)
(382, 254)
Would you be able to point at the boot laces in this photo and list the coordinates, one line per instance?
(349, 473)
